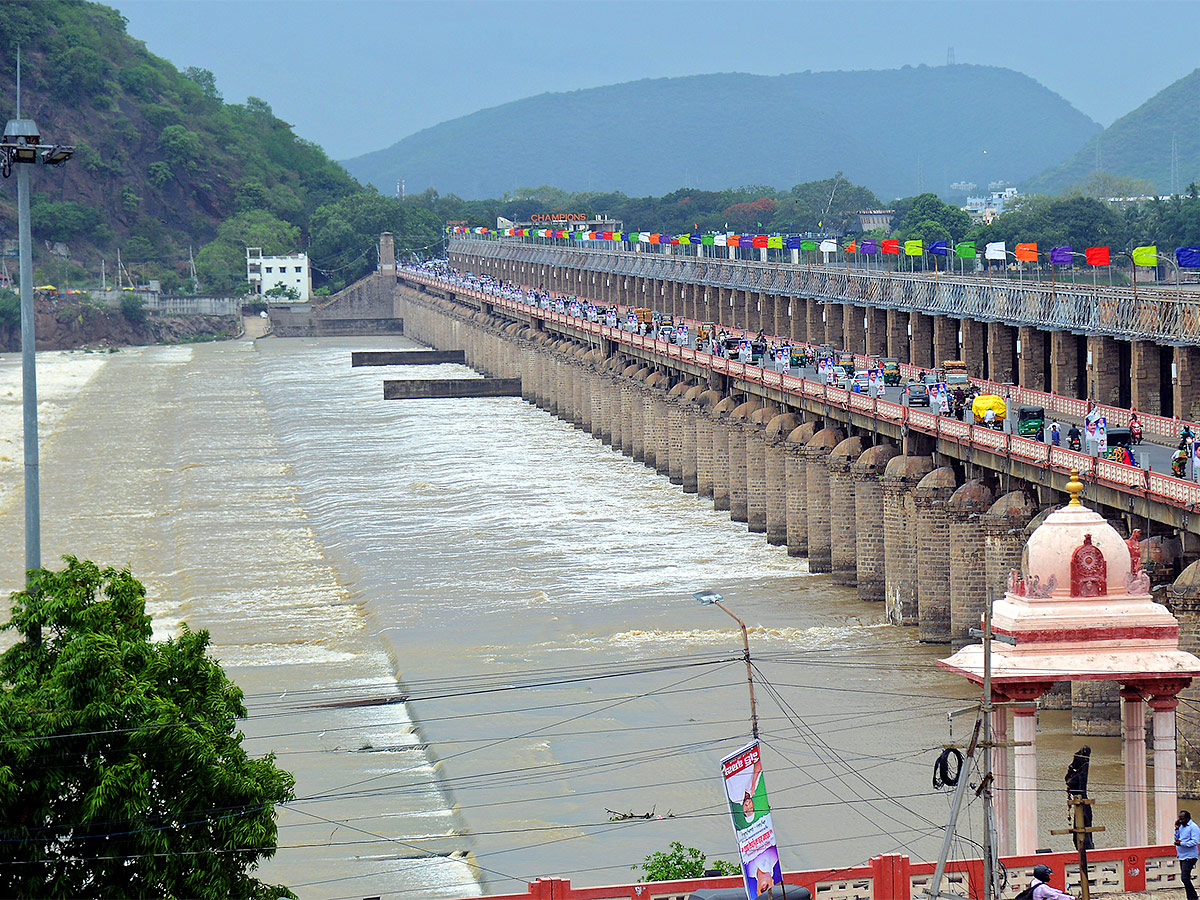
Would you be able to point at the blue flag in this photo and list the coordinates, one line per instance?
(1187, 257)
(792, 242)
(941, 248)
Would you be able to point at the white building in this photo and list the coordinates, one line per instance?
(266, 272)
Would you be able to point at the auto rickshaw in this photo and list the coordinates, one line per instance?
(758, 349)
(800, 358)
(845, 359)
(706, 331)
(983, 403)
(891, 370)
(1031, 421)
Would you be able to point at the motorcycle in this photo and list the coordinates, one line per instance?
(1135, 432)
(1178, 464)
(1073, 442)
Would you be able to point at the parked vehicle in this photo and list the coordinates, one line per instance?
(985, 402)
(1031, 421)
(917, 394)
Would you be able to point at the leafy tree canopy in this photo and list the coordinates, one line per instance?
(681, 862)
(123, 773)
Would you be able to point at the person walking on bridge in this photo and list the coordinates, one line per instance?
(1187, 842)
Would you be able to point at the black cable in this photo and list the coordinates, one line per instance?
(942, 774)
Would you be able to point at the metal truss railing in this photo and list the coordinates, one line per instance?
(1161, 316)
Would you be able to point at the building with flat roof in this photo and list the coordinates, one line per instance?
(267, 272)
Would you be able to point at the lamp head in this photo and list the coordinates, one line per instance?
(21, 131)
(707, 598)
(57, 155)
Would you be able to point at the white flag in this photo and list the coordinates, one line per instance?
(719, 240)
(644, 237)
(994, 251)
(829, 246)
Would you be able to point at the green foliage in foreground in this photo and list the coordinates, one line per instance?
(681, 862)
(123, 773)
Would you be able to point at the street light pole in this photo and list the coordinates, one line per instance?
(21, 148)
(712, 598)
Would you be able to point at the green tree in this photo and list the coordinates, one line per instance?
(282, 292)
(123, 773)
(10, 310)
(681, 862)
(133, 308)
(221, 264)
(206, 80)
(180, 146)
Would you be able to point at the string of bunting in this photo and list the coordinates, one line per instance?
(1066, 255)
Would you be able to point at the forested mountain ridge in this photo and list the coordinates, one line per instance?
(897, 131)
(160, 160)
(1140, 145)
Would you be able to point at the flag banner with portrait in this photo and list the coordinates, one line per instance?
(746, 790)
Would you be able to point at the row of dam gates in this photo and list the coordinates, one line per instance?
(925, 526)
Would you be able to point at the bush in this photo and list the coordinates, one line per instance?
(681, 862)
(10, 310)
(133, 308)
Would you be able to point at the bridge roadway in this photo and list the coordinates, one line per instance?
(1125, 490)
(1119, 347)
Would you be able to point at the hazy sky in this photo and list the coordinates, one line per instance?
(359, 75)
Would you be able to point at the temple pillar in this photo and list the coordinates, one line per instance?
(1001, 780)
(1133, 749)
(1025, 780)
(1166, 796)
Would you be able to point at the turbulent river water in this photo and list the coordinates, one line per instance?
(467, 627)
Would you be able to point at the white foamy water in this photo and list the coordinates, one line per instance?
(527, 590)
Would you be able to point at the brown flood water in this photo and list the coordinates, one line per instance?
(529, 592)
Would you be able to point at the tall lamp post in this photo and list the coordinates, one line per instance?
(712, 598)
(22, 148)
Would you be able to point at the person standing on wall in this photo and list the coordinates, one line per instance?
(1187, 840)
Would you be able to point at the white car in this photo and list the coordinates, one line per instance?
(861, 383)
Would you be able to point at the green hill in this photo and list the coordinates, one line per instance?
(1138, 145)
(898, 131)
(160, 160)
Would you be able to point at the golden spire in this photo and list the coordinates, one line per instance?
(1074, 488)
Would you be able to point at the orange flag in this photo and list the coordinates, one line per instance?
(852, 247)
(1026, 252)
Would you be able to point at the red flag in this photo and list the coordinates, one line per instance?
(760, 240)
(1097, 256)
(607, 235)
(890, 246)
(1026, 252)
(674, 240)
(852, 247)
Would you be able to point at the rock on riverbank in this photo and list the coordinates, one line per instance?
(67, 327)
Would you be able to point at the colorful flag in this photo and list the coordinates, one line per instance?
(719, 240)
(869, 245)
(852, 247)
(965, 250)
(808, 245)
(685, 239)
(775, 242)
(759, 241)
(829, 245)
(1062, 256)
(709, 240)
(793, 242)
(914, 248)
(891, 246)
(1026, 252)
(733, 240)
(1145, 256)
(1096, 256)
(940, 248)
(1187, 257)
(995, 250)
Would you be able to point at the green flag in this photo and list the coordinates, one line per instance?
(707, 240)
(1145, 256)
(808, 245)
(965, 250)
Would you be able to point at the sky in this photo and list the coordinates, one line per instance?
(360, 75)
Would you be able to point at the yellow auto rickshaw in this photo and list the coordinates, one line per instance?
(985, 402)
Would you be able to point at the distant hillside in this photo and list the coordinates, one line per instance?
(898, 131)
(1138, 145)
(160, 160)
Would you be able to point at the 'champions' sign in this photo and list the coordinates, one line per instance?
(558, 217)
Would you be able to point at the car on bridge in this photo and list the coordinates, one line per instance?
(916, 394)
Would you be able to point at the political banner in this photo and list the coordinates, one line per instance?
(611, 317)
(1196, 460)
(746, 789)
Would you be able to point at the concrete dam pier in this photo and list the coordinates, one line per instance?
(450, 388)
(928, 534)
(406, 357)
